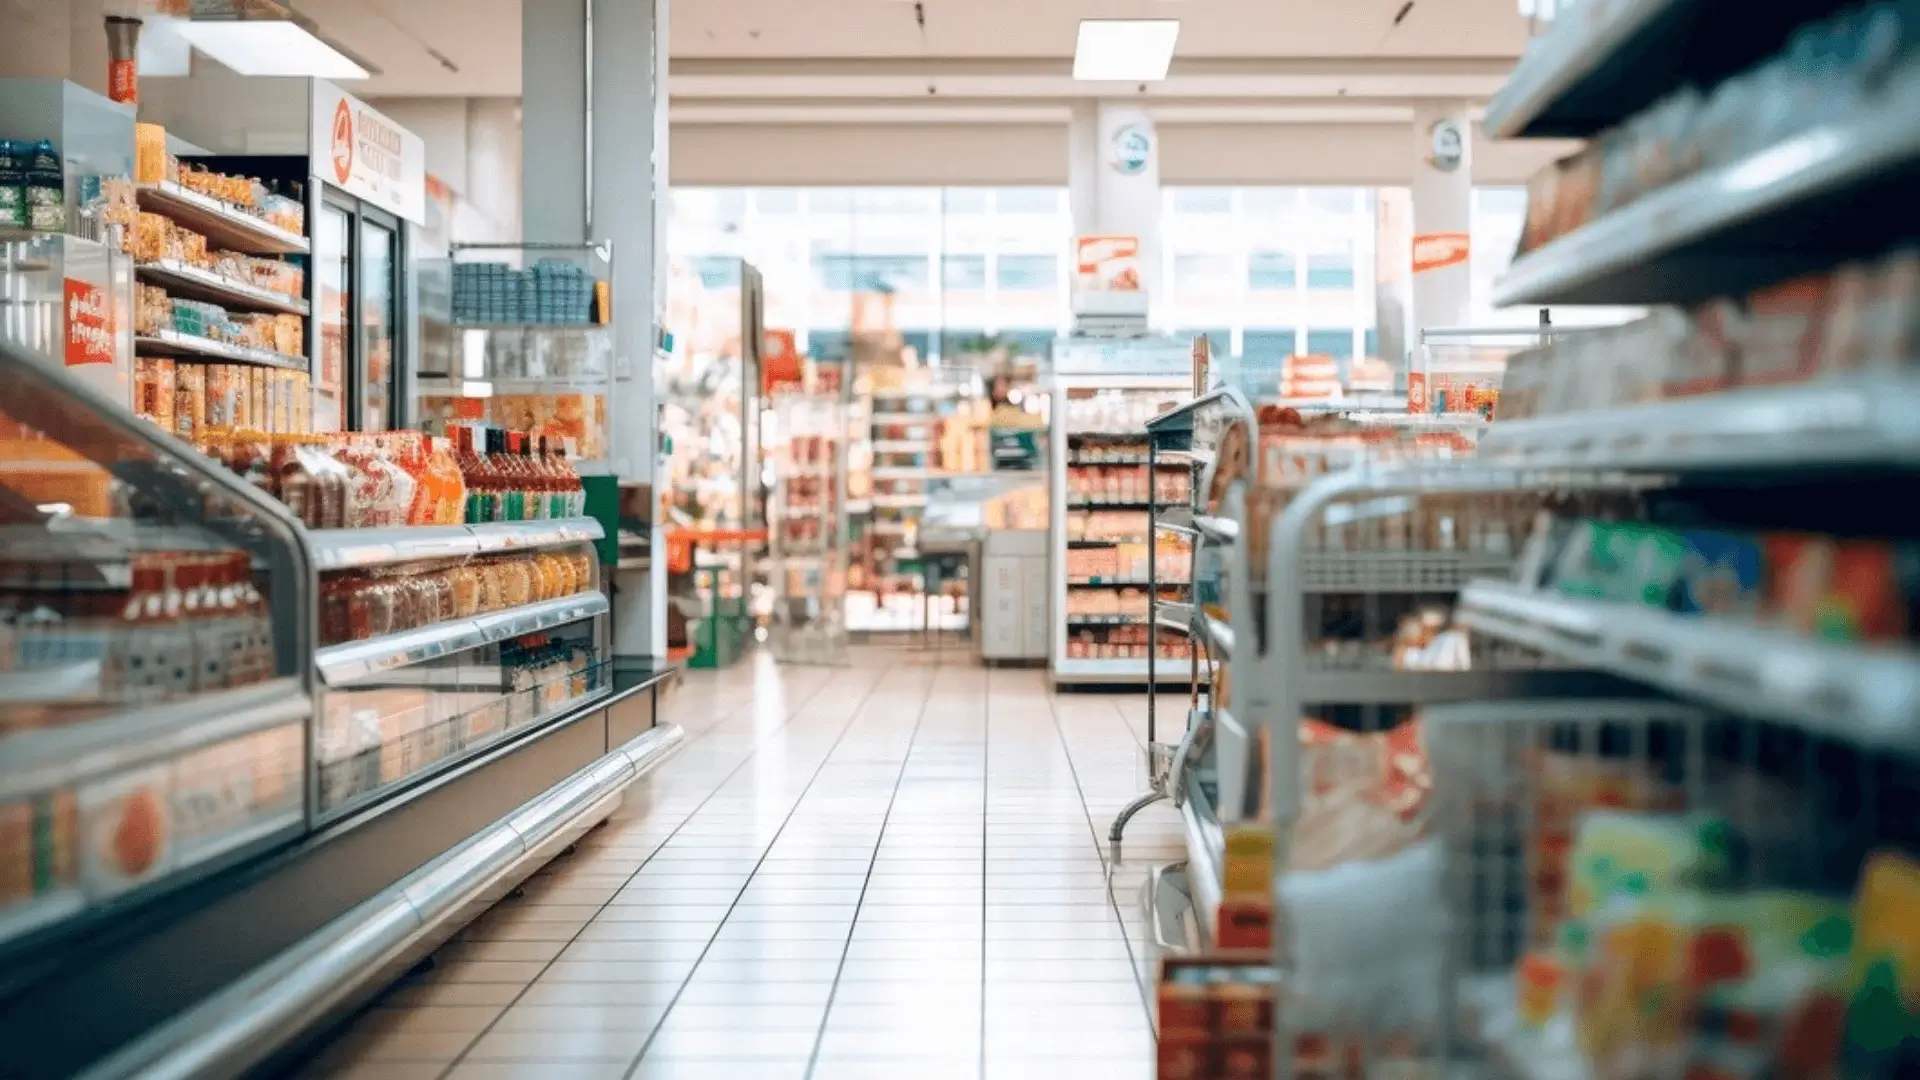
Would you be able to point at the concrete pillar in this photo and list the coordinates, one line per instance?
(57, 39)
(594, 166)
(1442, 215)
(1113, 179)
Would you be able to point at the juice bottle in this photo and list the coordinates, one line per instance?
(468, 462)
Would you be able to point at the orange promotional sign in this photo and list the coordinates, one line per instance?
(89, 336)
(779, 360)
(1433, 251)
(1107, 263)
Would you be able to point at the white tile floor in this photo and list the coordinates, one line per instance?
(894, 869)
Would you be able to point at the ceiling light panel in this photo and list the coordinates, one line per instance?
(1124, 50)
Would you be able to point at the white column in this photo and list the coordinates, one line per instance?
(1113, 178)
(594, 166)
(1442, 214)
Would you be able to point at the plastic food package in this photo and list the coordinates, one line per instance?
(1362, 796)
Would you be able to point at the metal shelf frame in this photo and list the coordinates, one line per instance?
(1731, 228)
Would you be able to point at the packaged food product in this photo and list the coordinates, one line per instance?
(1839, 590)
(128, 827)
(39, 848)
(1361, 796)
(1720, 575)
(1783, 330)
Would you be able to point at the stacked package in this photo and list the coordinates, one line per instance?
(553, 292)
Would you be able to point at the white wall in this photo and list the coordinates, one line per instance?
(473, 144)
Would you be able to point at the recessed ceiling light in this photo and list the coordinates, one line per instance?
(1124, 50)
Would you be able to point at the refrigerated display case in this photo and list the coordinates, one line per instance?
(363, 269)
(534, 346)
(224, 735)
(1103, 490)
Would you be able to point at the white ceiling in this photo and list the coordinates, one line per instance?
(875, 49)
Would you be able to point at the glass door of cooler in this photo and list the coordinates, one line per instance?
(333, 293)
(376, 370)
(359, 255)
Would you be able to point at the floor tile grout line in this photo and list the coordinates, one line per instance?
(853, 718)
(1093, 828)
(986, 855)
(792, 716)
(906, 759)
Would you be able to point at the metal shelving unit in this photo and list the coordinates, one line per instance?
(1798, 205)
(1604, 60)
(1188, 771)
(1780, 715)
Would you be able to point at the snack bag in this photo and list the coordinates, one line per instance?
(1882, 1034)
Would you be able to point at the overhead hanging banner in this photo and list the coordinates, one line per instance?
(357, 149)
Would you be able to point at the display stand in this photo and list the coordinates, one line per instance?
(1103, 491)
(536, 346)
(808, 526)
(1192, 435)
(214, 786)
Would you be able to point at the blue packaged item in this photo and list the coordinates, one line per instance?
(1719, 575)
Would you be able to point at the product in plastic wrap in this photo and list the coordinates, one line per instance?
(1361, 796)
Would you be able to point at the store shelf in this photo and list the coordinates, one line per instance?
(223, 226)
(1098, 505)
(1206, 851)
(890, 419)
(175, 343)
(901, 446)
(1106, 620)
(1220, 530)
(351, 549)
(1804, 203)
(184, 280)
(900, 502)
(1219, 637)
(1123, 583)
(901, 472)
(1398, 571)
(1842, 421)
(1172, 669)
(1071, 544)
(46, 758)
(1620, 57)
(339, 665)
(1866, 694)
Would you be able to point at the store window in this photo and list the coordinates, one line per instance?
(1202, 200)
(1335, 343)
(870, 273)
(1027, 273)
(983, 260)
(1330, 271)
(1030, 342)
(1271, 270)
(963, 272)
(1268, 259)
(1271, 343)
(717, 271)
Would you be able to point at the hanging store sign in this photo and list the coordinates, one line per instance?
(1435, 251)
(357, 149)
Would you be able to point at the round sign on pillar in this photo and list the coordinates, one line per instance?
(1131, 151)
(1446, 145)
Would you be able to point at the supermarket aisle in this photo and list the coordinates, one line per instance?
(887, 870)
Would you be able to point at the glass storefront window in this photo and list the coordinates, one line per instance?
(1331, 271)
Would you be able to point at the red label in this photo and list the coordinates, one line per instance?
(342, 142)
(123, 81)
(89, 338)
(1416, 392)
(1432, 251)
